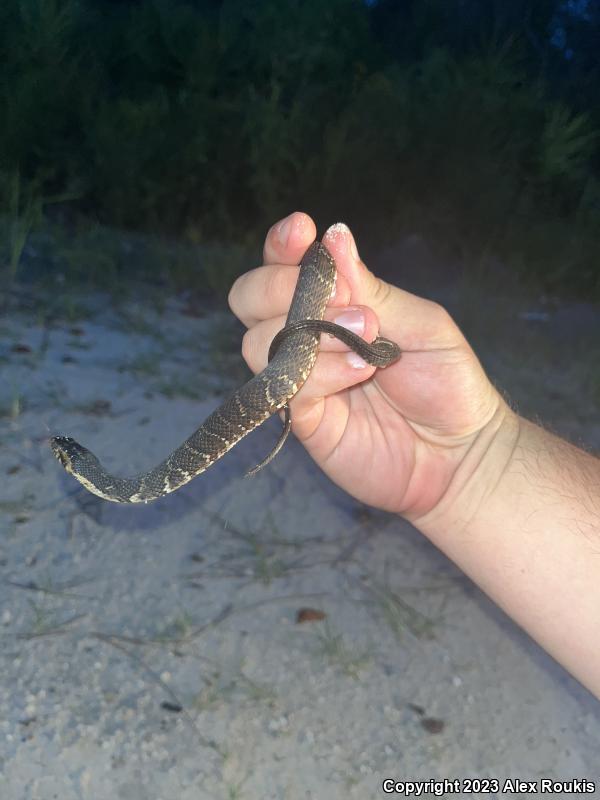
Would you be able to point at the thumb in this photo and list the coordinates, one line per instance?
(356, 284)
(415, 323)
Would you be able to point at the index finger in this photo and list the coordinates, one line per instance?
(266, 291)
(287, 240)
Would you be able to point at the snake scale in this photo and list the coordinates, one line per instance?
(292, 356)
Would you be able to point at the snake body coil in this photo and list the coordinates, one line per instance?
(296, 349)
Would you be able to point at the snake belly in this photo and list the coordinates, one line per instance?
(241, 413)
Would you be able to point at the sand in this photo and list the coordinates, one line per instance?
(155, 652)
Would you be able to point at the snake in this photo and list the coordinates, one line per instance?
(292, 355)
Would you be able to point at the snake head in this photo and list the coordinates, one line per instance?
(64, 449)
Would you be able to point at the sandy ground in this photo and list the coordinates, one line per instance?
(153, 653)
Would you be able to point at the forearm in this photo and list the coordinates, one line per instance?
(522, 519)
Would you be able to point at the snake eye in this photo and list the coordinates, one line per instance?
(60, 452)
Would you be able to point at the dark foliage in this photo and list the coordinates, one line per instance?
(471, 122)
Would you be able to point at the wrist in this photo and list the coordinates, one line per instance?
(477, 478)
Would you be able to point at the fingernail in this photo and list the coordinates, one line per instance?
(353, 319)
(283, 230)
(341, 229)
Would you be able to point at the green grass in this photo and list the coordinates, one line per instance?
(332, 647)
(147, 364)
(188, 389)
(24, 205)
(46, 621)
(177, 629)
(219, 690)
(401, 616)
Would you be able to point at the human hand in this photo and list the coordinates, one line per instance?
(394, 437)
